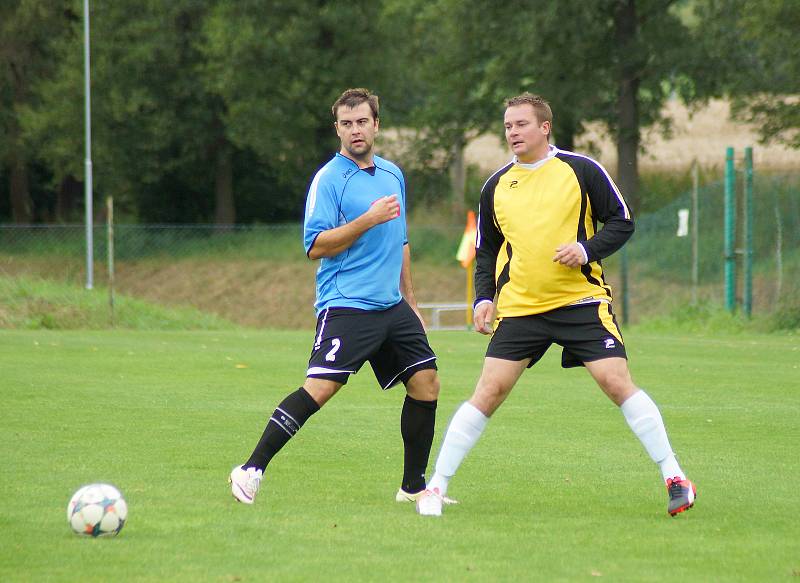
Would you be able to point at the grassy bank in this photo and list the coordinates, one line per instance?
(206, 294)
(34, 303)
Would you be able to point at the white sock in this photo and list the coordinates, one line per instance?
(645, 421)
(463, 432)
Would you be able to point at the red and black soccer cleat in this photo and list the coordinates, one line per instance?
(681, 495)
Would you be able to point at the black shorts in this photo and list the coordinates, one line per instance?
(393, 341)
(586, 332)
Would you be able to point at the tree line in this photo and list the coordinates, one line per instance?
(219, 110)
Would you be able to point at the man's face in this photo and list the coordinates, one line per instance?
(526, 137)
(356, 129)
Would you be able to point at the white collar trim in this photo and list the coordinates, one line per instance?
(551, 152)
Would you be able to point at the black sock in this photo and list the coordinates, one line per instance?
(287, 420)
(416, 426)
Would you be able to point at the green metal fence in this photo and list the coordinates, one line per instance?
(661, 262)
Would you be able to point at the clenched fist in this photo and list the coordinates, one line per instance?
(384, 209)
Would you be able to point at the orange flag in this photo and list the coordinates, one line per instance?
(466, 249)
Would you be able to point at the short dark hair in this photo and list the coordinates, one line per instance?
(539, 104)
(353, 98)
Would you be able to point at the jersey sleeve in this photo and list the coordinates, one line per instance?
(487, 246)
(322, 209)
(403, 206)
(610, 208)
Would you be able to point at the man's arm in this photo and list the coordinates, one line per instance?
(610, 238)
(406, 287)
(487, 246)
(608, 207)
(333, 241)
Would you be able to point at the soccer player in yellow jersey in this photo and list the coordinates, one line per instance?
(539, 281)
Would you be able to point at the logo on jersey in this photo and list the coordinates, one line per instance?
(513, 183)
(348, 173)
(610, 343)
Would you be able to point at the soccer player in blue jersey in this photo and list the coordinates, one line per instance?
(539, 281)
(355, 224)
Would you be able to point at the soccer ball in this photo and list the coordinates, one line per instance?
(97, 510)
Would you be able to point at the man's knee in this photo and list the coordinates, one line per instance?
(495, 383)
(321, 390)
(489, 395)
(616, 382)
(424, 385)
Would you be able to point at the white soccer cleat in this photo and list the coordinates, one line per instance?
(245, 483)
(430, 503)
(403, 496)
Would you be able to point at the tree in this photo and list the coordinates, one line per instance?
(278, 66)
(203, 109)
(153, 127)
(757, 55)
(450, 88)
(26, 26)
(219, 110)
(607, 60)
(612, 61)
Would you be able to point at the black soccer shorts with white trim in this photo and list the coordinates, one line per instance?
(393, 341)
(586, 332)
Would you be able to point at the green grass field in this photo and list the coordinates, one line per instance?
(558, 489)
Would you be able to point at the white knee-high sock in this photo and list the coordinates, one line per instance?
(463, 432)
(645, 421)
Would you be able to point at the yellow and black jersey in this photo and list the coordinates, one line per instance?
(526, 211)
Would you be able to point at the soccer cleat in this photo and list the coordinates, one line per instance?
(403, 496)
(429, 503)
(681, 495)
(245, 483)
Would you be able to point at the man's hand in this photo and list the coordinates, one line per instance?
(383, 210)
(483, 317)
(570, 255)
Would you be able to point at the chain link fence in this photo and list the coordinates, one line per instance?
(668, 273)
(259, 275)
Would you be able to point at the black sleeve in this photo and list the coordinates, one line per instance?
(609, 208)
(487, 246)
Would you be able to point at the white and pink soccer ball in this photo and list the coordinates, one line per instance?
(97, 510)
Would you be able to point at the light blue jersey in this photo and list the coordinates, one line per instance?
(367, 274)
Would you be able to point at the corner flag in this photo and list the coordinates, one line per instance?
(466, 255)
(466, 249)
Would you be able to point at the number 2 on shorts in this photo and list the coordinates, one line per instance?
(331, 356)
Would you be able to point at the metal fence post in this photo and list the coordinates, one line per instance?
(730, 232)
(747, 302)
(778, 252)
(110, 246)
(695, 230)
(88, 145)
